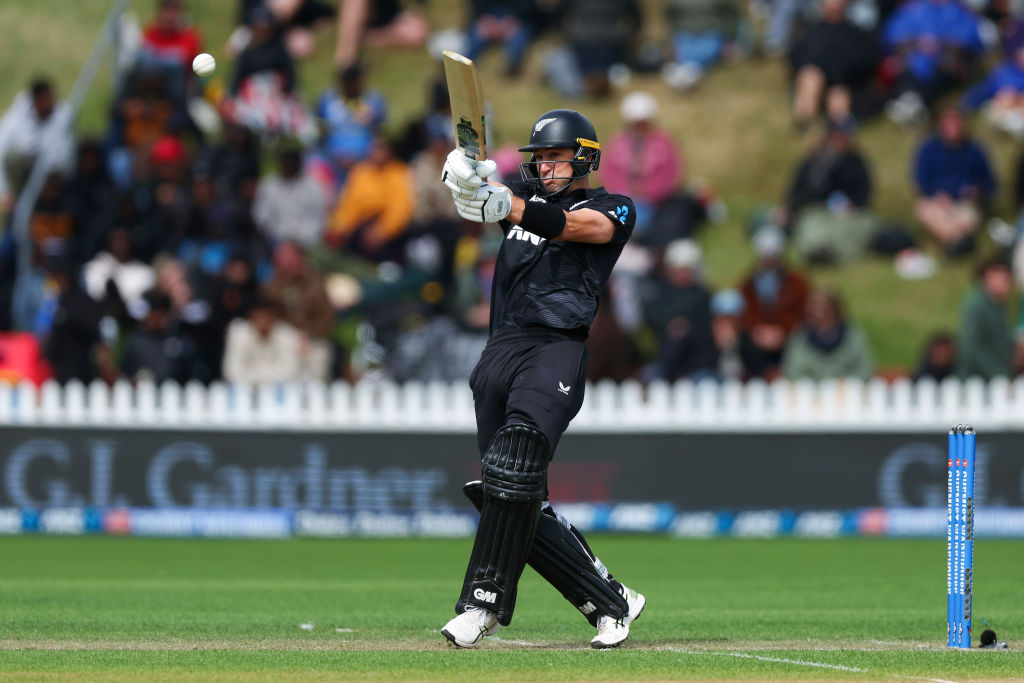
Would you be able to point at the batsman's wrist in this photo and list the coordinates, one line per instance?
(515, 215)
(541, 218)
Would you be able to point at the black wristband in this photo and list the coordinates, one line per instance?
(541, 218)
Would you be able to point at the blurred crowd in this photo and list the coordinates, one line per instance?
(247, 233)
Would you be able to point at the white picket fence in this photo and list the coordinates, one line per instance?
(843, 405)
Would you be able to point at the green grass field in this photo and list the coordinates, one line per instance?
(105, 609)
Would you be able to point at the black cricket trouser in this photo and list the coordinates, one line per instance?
(535, 377)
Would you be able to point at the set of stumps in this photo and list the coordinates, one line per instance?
(960, 542)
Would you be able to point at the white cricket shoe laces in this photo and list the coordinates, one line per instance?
(612, 632)
(470, 627)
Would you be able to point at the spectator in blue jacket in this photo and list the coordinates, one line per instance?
(932, 45)
(955, 182)
(1003, 92)
(352, 116)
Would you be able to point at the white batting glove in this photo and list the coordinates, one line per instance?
(486, 168)
(488, 204)
(464, 175)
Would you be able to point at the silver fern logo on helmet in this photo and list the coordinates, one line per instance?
(540, 124)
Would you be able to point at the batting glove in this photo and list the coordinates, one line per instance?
(488, 204)
(463, 175)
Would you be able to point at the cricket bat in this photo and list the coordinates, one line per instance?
(467, 97)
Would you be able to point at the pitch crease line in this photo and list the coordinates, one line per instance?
(527, 643)
(778, 660)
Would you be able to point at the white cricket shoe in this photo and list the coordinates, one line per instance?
(470, 627)
(612, 632)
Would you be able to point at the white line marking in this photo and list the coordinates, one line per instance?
(801, 662)
(779, 660)
(527, 643)
(510, 641)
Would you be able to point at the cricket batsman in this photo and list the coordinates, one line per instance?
(562, 238)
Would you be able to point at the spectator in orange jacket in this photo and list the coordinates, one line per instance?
(374, 208)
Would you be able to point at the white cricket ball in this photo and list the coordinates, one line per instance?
(204, 64)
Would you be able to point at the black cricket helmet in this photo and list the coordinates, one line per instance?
(562, 128)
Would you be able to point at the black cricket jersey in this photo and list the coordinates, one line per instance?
(538, 282)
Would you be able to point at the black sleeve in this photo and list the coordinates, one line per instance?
(619, 209)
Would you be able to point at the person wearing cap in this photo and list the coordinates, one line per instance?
(158, 349)
(829, 197)
(641, 159)
(735, 357)
(774, 299)
(677, 308)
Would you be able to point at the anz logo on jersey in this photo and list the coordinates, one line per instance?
(517, 233)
